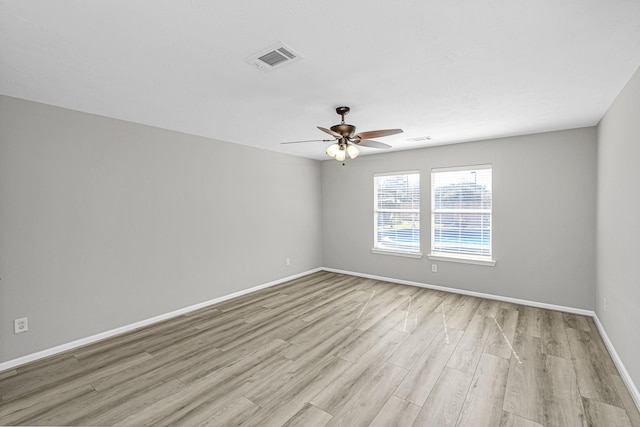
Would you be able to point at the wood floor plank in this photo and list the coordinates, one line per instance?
(266, 299)
(156, 369)
(627, 401)
(328, 297)
(108, 407)
(377, 308)
(233, 414)
(554, 335)
(509, 305)
(128, 403)
(529, 321)
(463, 312)
(145, 339)
(525, 382)
(31, 380)
(396, 413)
(308, 299)
(561, 398)
(593, 369)
(81, 381)
(467, 354)
(488, 307)
(513, 420)
(418, 341)
(282, 329)
(335, 395)
(502, 334)
(445, 402)
(575, 321)
(425, 372)
(594, 383)
(212, 393)
(223, 322)
(296, 376)
(420, 307)
(370, 339)
(327, 345)
(285, 402)
(22, 410)
(62, 414)
(309, 416)
(601, 414)
(364, 404)
(6, 374)
(589, 346)
(333, 349)
(312, 331)
(350, 302)
(483, 405)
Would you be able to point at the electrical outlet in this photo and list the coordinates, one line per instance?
(604, 304)
(434, 268)
(287, 262)
(20, 325)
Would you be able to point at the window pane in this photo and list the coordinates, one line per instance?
(398, 191)
(461, 211)
(462, 233)
(397, 230)
(469, 189)
(397, 212)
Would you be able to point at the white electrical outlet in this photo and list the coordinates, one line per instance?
(287, 261)
(604, 304)
(434, 268)
(20, 325)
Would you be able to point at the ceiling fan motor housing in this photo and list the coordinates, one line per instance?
(344, 129)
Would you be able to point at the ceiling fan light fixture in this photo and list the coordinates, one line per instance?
(341, 155)
(333, 150)
(352, 151)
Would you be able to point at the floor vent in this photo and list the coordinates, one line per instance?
(273, 57)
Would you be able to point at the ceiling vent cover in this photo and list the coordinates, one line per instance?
(274, 57)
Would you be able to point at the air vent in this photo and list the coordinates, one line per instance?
(273, 57)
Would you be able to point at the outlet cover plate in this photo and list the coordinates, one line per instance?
(21, 325)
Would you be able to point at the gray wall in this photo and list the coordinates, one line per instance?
(544, 200)
(619, 225)
(104, 223)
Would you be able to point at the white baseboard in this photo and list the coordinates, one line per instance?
(14, 363)
(624, 374)
(544, 305)
(633, 390)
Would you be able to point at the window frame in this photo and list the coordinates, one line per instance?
(389, 251)
(462, 257)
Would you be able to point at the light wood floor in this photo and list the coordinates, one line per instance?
(335, 350)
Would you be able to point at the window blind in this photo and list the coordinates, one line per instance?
(461, 211)
(397, 212)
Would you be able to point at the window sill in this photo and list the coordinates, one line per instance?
(397, 253)
(461, 259)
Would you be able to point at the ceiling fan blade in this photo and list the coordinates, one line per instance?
(309, 140)
(378, 133)
(372, 144)
(330, 132)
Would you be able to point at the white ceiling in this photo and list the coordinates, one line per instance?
(454, 70)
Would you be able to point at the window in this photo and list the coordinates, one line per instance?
(461, 214)
(397, 214)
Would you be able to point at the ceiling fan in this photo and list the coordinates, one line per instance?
(346, 138)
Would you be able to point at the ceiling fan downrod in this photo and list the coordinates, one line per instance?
(343, 111)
